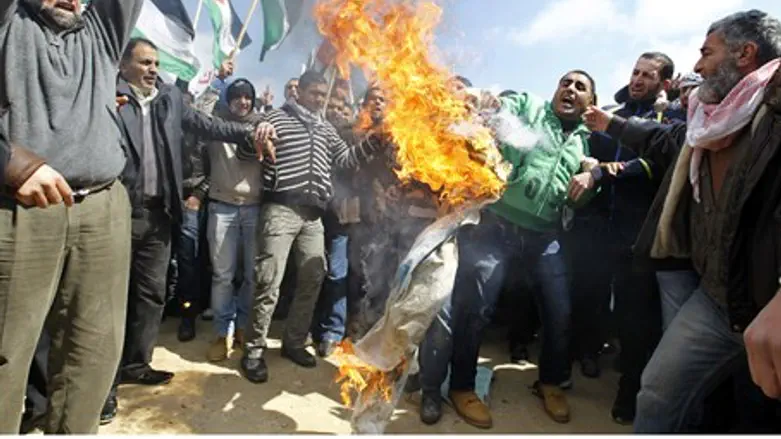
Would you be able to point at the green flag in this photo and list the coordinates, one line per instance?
(279, 16)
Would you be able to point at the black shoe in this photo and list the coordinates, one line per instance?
(300, 356)
(254, 369)
(519, 354)
(32, 421)
(430, 408)
(326, 348)
(109, 411)
(147, 377)
(186, 331)
(624, 407)
(589, 367)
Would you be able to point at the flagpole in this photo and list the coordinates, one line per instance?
(197, 17)
(244, 27)
(331, 83)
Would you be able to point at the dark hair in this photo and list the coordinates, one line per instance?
(751, 26)
(131, 46)
(309, 78)
(463, 80)
(507, 93)
(290, 80)
(590, 79)
(668, 66)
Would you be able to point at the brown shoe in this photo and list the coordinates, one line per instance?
(218, 350)
(471, 408)
(554, 400)
(238, 339)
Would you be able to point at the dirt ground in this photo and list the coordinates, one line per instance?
(209, 398)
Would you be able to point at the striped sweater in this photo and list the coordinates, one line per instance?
(301, 174)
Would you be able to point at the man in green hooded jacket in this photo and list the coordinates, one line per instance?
(545, 180)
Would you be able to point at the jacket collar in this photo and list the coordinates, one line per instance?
(123, 88)
(622, 97)
(772, 96)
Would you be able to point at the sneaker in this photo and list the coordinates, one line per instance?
(218, 350)
(254, 369)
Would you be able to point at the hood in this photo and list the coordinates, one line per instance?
(222, 104)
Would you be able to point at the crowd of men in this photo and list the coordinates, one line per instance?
(651, 226)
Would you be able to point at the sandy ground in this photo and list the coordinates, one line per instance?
(209, 398)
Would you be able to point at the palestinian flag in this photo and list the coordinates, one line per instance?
(279, 16)
(227, 27)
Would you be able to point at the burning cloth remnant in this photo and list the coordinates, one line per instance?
(377, 366)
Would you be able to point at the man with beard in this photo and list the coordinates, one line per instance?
(602, 238)
(154, 119)
(61, 150)
(719, 205)
(524, 221)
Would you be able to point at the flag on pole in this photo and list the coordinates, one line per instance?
(167, 25)
(279, 16)
(227, 27)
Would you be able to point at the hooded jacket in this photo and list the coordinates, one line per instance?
(228, 179)
(537, 188)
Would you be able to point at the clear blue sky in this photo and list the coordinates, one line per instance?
(522, 45)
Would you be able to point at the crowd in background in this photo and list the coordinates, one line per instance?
(626, 228)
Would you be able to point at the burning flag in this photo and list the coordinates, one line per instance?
(392, 41)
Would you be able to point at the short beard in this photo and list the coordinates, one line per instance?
(61, 20)
(715, 88)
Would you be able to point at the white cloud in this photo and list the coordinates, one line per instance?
(564, 19)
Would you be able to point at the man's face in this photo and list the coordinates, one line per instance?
(65, 14)
(291, 89)
(226, 69)
(335, 110)
(458, 88)
(375, 103)
(141, 69)
(240, 106)
(719, 69)
(573, 96)
(645, 82)
(313, 97)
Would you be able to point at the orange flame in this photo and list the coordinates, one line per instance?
(392, 41)
(354, 376)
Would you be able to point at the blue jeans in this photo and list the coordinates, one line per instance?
(454, 338)
(331, 312)
(675, 288)
(231, 230)
(696, 353)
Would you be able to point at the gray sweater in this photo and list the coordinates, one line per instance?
(60, 88)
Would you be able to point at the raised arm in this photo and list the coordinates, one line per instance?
(214, 128)
(114, 20)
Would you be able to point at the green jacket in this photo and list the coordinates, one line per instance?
(537, 188)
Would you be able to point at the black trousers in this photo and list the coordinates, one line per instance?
(151, 251)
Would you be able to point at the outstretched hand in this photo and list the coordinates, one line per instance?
(597, 119)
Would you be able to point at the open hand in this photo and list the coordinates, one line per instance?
(44, 188)
(597, 119)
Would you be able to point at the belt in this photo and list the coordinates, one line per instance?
(80, 194)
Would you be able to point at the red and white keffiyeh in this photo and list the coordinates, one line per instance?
(711, 125)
